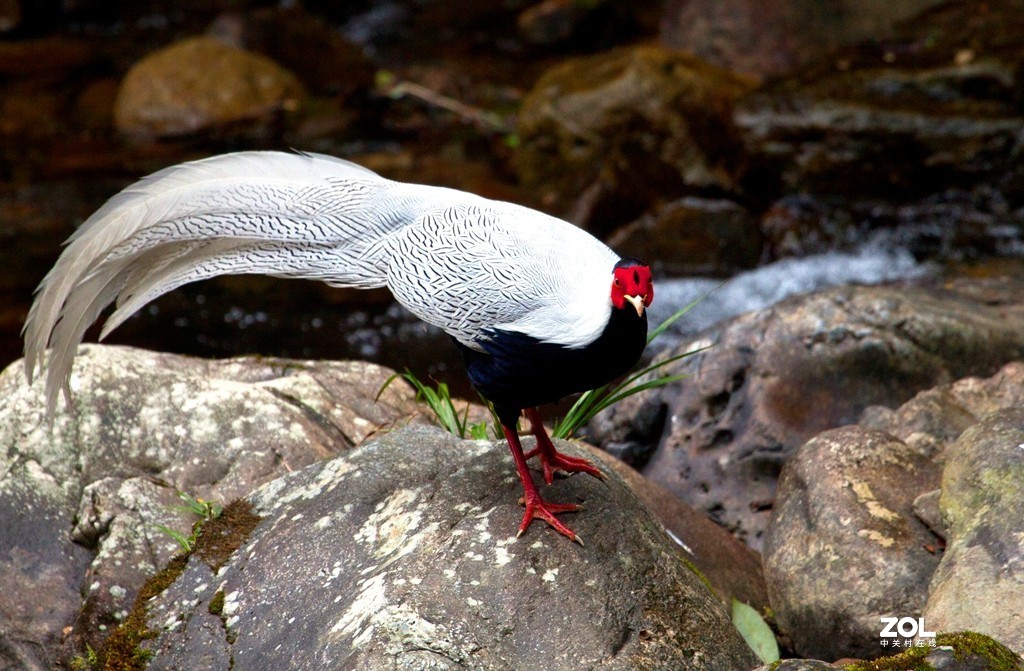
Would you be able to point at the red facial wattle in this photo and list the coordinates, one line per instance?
(632, 285)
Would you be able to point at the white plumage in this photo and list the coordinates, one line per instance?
(455, 260)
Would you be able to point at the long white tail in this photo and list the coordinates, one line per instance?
(291, 215)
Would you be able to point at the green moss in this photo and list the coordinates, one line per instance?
(88, 662)
(216, 542)
(216, 606)
(965, 644)
(969, 643)
(221, 536)
(696, 571)
(122, 650)
(909, 660)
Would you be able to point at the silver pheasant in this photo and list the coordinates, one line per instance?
(539, 308)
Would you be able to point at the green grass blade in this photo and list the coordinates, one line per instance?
(663, 326)
(636, 389)
(586, 406)
(590, 403)
(387, 383)
(439, 401)
(183, 541)
(655, 366)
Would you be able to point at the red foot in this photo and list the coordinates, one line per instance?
(556, 461)
(539, 509)
(552, 460)
(536, 508)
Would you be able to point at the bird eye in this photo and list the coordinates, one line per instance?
(618, 282)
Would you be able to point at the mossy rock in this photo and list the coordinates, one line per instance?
(957, 651)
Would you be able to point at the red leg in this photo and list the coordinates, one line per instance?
(535, 506)
(551, 459)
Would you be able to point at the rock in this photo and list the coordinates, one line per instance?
(844, 548)
(969, 651)
(980, 582)
(926, 509)
(552, 21)
(768, 39)
(733, 570)
(401, 555)
(800, 225)
(693, 236)
(303, 43)
(628, 129)
(798, 665)
(10, 15)
(768, 381)
(913, 142)
(38, 558)
(201, 84)
(80, 502)
(850, 540)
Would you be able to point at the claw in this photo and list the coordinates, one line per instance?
(539, 509)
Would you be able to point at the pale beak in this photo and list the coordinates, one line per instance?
(638, 303)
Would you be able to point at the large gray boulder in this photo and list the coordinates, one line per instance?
(402, 555)
(844, 547)
(980, 582)
(80, 500)
(914, 512)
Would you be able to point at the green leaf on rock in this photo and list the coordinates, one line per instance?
(755, 632)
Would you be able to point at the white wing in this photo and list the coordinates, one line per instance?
(455, 260)
(471, 267)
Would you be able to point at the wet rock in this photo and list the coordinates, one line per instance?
(843, 547)
(142, 426)
(201, 84)
(853, 148)
(693, 236)
(401, 555)
(954, 225)
(914, 140)
(771, 38)
(768, 381)
(627, 129)
(980, 583)
(800, 225)
(930, 110)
